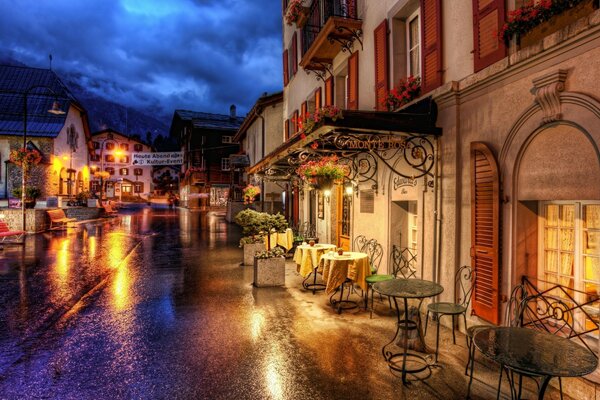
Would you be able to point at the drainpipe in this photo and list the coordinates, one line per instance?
(437, 190)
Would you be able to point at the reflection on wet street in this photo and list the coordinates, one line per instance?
(149, 305)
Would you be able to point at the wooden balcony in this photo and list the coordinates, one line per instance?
(332, 27)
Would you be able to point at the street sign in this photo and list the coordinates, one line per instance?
(165, 158)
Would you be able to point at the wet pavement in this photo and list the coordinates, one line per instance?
(149, 306)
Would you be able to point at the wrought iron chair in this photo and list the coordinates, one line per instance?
(359, 244)
(511, 318)
(403, 262)
(464, 281)
(375, 255)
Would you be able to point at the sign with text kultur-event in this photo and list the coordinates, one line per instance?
(166, 158)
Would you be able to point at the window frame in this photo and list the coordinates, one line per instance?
(415, 15)
(225, 164)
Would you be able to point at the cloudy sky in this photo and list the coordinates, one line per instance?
(160, 55)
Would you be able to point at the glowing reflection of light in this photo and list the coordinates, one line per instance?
(274, 379)
(257, 322)
(62, 261)
(92, 246)
(116, 249)
(121, 289)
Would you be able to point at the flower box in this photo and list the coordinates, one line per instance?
(556, 23)
(250, 249)
(269, 271)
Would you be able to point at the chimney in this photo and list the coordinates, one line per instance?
(232, 111)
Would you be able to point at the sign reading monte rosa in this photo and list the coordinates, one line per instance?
(167, 158)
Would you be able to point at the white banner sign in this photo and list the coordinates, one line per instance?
(169, 158)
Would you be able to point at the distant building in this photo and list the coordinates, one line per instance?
(165, 179)
(261, 133)
(113, 153)
(63, 140)
(207, 142)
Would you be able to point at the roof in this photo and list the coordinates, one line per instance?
(262, 102)
(131, 138)
(204, 120)
(42, 87)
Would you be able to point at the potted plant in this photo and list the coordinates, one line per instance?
(340, 251)
(321, 174)
(82, 198)
(296, 13)
(255, 226)
(269, 268)
(405, 91)
(31, 195)
(250, 193)
(251, 245)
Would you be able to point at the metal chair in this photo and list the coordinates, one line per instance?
(464, 281)
(403, 262)
(360, 243)
(511, 318)
(374, 251)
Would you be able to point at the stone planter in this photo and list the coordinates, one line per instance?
(250, 250)
(93, 203)
(269, 271)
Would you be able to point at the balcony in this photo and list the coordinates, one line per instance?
(332, 26)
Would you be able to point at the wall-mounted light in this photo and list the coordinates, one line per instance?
(349, 190)
(327, 194)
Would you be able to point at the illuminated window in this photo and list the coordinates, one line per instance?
(124, 171)
(109, 146)
(225, 164)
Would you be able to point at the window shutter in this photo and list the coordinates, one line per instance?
(329, 91)
(353, 81)
(294, 51)
(488, 18)
(431, 39)
(318, 100)
(381, 65)
(286, 127)
(286, 72)
(485, 232)
(294, 123)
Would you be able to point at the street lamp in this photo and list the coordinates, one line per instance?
(54, 110)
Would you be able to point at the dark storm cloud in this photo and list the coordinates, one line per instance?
(201, 55)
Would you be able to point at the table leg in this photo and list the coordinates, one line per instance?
(341, 303)
(544, 386)
(314, 286)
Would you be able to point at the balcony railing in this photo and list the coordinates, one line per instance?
(332, 24)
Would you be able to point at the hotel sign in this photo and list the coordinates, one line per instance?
(388, 143)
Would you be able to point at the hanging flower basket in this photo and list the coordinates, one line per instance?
(250, 193)
(322, 174)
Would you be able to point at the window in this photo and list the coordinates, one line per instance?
(413, 45)
(109, 158)
(124, 171)
(95, 157)
(109, 146)
(413, 226)
(110, 136)
(138, 187)
(110, 170)
(569, 244)
(124, 146)
(124, 159)
(138, 171)
(225, 164)
(138, 147)
(126, 188)
(96, 145)
(226, 139)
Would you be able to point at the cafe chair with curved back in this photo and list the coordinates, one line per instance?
(403, 263)
(511, 318)
(464, 283)
(374, 251)
(360, 243)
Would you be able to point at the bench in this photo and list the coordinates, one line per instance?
(6, 235)
(58, 217)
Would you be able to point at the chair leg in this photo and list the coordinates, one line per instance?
(560, 387)
(372, 295)
(426, 322)
(466, 336)
(437, 337)
(468, 357)
(367, 298)
(500, 382)
(472, 362)
(453, 335)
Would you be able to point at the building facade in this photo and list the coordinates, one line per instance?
(113, 154)
(260, 133)
(63, 139)
(494, 164)
(206, 142)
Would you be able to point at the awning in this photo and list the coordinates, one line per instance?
(360, 139)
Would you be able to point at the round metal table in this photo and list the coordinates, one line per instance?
(407, 289)
(535, 353)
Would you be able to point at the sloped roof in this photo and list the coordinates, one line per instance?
(204, 120)
(15, 82)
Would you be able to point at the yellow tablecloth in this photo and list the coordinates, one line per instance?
(307, 257)
(285, 240)
(351, 265)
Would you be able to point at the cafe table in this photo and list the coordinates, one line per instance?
(307, 259)
(407, 362)
(283, 239)
(534, 353)
(338, 269)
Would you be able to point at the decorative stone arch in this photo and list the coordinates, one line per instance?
(63, 176)
(575, 116)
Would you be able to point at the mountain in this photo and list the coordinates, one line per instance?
(104, 113)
